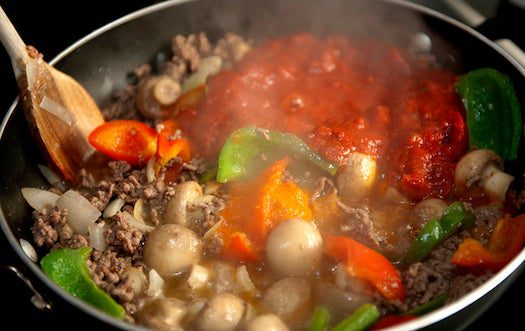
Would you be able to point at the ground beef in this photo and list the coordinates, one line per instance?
(187, 54)
(107, 270)
(122, 105)
(190, 49)
(422, 284)
(48, 222)
(464, 284)
(123, 237)
(437, 274)
(232, 47)
(359, 225)
(486, 218)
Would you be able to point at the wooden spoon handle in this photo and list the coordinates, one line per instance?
(14, 45)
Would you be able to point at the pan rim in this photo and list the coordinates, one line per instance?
(424, 321)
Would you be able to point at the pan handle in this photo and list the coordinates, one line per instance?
(37, 299)
(472, 17)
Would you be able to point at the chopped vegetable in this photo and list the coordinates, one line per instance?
(125, 140)
(360, 320)
(493, 111)
(170, 146)
(363, 262)
(320, 320)
(506, 241)
(241, 154)
(208, 66)
(80, 212)
(438, 301)
(255, 207)
(38, 198)
(67, 268)
(437, 230)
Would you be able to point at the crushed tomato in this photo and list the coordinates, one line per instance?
(342, 96)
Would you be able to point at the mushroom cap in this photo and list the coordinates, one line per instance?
(471, 168)
(176, 209)
(171, 249)
(294, 248)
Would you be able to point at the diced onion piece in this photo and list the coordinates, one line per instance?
(150, 170)
(80, 212)
(138, 279)
(52, 177)
(96, 236)
(198, 278)
(38, 198)
(156, 284)
(137, 224)
(141, 211)
(243, 279)
(209, 66)
(212, 230)
(57, 109)
(113, 208)
(29, 250)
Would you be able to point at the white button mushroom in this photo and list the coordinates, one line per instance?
(223, 312)
(357, 177)
(482, 167)
(266, 322)
(289, 298)
(294, 248)
(187, 204)
(154, 93)
(429, 209)
(171, 249)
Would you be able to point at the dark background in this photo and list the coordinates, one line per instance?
(51, 26)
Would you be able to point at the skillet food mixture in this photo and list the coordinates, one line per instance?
(302, 183)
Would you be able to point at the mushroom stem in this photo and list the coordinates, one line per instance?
(496, 186)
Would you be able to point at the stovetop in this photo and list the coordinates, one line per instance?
(53, 26)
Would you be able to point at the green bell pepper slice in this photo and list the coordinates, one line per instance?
(436, 231)
(493, 111)
(246, 150)
(68, 269)
(364, 317)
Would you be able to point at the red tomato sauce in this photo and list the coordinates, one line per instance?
(342, 96)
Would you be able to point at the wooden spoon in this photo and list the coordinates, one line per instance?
(60, 112)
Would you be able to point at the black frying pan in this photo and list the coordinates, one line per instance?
(135, 42)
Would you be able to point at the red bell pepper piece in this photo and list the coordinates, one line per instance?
(125, 140)
(506, 241)
(365, 263)
(169, 147)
